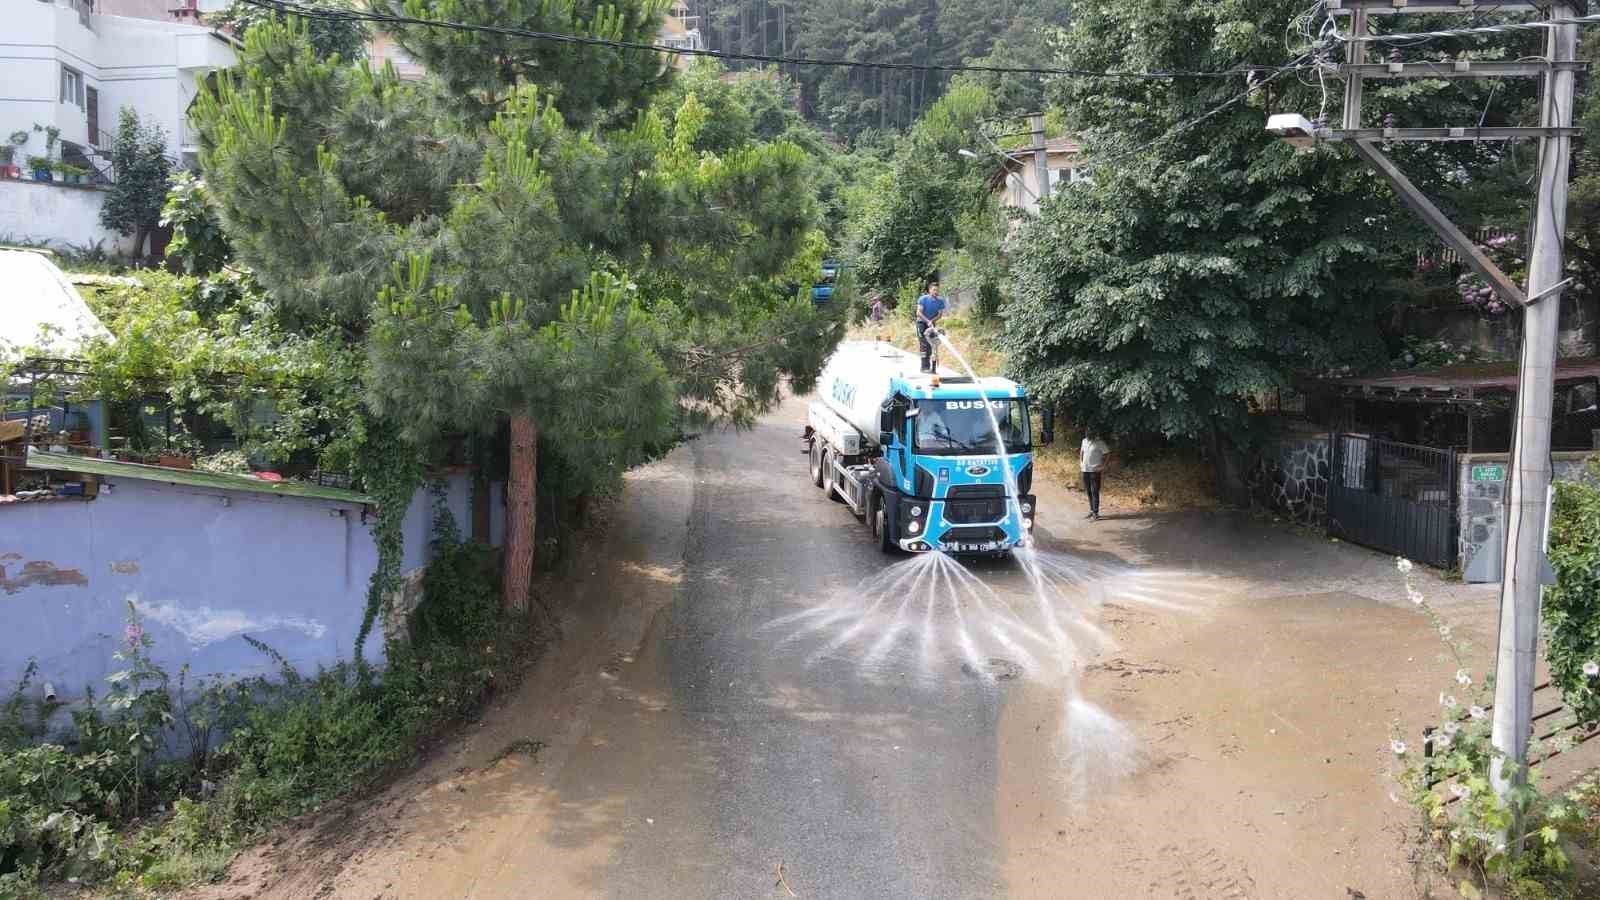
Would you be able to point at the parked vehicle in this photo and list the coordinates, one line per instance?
(915, 455)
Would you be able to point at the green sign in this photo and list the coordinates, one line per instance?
(1488, 473)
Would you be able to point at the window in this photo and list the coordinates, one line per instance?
(72, 86)
(957, 427)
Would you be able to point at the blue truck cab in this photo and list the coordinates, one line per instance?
(931, 475)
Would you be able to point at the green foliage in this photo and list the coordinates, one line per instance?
(914, 211)
(220, 351)
(1571, 607)
(539, 249)
(198, 242)
(1205, 268)
(260, 750)
(328, 37)
(139, 160)
(1464, 821)
(391, 472)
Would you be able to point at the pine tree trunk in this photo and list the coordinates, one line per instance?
(1226, 458)
(521, 516)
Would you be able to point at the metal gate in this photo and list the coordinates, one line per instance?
(1396, 497)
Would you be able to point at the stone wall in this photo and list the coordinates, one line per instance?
(1293, 480)
(1482, 507)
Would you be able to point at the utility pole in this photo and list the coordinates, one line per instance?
(1041, 158)
(1522, 584)
(1526, 509)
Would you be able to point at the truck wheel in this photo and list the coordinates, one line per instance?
(878, 521)
(816, 462)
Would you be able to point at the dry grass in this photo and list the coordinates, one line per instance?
(1174, 480)
(974, 339)
(1177, 479)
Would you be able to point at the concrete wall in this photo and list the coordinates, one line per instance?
(1482, 509)
(203, 567)
(37, 212)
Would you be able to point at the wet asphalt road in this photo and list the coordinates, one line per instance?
(767, 747)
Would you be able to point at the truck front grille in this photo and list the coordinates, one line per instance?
(974, 535)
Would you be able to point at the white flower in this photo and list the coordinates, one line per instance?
(1403, 564)
(1462, 678)
(1414, 595)
(1460, 790)
(1478, 712)
(1447, 701)
(1591, 668)
(1399, 747)
(1442, 741)
(1452, 726)
(1444, 631)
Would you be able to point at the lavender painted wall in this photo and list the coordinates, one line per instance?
(204, 567)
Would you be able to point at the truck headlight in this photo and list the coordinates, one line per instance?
(914, 527)
(916, 512)
(1027, 507)
(1028, 523)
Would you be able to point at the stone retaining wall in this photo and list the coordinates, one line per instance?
(1293, 480)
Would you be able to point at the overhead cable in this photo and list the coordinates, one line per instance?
(329, 13)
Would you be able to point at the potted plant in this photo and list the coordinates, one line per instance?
(52, 134)
(40, 167)
(8, 154)
(70, 173)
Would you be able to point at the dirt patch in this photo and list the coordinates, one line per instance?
(1264, 773)
(39, 572)
(444, 828)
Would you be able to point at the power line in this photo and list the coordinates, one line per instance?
(353, 15)
(1508, 28)
(1214, 111)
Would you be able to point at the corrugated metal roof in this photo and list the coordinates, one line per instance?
(38, 296)
(66, 462)
(1457, 378)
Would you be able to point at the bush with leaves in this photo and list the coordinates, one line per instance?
(198, 242)
(1465, 823)
(1571, 608)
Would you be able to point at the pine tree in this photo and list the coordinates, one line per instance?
(551, 251)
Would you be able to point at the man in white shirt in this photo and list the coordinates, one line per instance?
(1091, 460)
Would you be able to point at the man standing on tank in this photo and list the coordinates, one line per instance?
(930, 306)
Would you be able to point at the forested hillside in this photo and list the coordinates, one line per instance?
(849, 101)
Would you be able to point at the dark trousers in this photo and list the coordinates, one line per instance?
(925, 345)
(1091, 486)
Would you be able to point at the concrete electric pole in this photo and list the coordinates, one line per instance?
(1041, 157)
(1525, 567)
(1522, 584)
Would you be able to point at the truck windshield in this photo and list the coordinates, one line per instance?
(962, 427)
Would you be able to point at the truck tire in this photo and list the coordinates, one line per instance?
(816, 461)
(878, 521)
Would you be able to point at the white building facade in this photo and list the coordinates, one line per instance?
(67, 67)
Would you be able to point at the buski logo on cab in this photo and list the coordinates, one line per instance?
(977, 404)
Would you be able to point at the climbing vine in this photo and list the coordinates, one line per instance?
(390, 471)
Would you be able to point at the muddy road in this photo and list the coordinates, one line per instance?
(744, 705)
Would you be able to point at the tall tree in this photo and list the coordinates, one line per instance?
(1209, 266)
(140, 168)
(551, 250)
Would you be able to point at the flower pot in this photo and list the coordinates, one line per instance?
(41, 175)
(11, 171)
(173, 461)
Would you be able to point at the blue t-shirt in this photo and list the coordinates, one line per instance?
(930, 306)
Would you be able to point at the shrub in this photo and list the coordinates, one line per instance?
(1571, 609)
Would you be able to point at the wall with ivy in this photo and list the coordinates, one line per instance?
(206, 569)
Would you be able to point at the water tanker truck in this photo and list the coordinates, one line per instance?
(915, 455)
